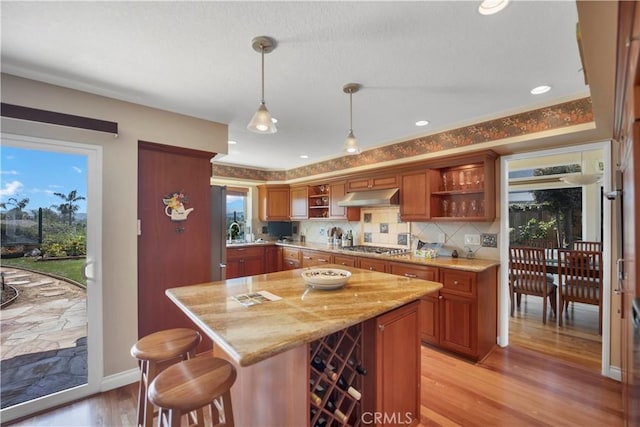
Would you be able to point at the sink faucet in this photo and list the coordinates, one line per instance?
(234, 226)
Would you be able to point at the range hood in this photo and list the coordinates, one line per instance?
(386, 197)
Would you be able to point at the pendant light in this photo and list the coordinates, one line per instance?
(582, 178)
(261, 121)
(351, 144)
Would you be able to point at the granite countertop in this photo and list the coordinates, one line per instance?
(476, 265)
(250, 334)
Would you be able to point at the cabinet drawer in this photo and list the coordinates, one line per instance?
(290, 264)
(458, 282)
(291, 253)
(345, 260)
(416, 271)
(245, 252)
(313, 258)
(373, 264)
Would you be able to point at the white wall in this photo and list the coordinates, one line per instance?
(120, 198)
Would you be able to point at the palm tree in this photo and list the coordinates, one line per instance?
(69, 208)
(18, 206)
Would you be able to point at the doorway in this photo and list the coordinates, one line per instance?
(36, 151)
(596, 223)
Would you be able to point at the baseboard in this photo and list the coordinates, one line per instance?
(120, 379)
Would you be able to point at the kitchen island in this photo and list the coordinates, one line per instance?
(271, 325)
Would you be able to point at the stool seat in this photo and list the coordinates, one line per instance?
(203, 381)
(166, 344)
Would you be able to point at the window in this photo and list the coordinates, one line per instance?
(237, 213)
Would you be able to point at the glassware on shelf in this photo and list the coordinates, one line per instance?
(323, 189)
(463, 208)
(445, 207)
(461, 179)
(453, 181)
(444, 181)
(454, 208)
(467, 179)
(474, 207)
(481, 208)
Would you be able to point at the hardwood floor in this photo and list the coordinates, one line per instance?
(549, 375)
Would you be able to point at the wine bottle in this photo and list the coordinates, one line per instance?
(342, 383)
(319, 364)
(320, 422)
(316, 397)
(359, 368)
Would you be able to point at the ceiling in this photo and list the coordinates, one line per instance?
(436, 61)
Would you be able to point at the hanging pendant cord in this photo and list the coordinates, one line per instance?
(262, 50)
(350, 111)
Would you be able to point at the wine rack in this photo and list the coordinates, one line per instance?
(335, 379)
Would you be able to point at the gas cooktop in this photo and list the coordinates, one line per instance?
(376, 250)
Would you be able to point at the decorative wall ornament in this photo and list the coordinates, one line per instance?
(174, 206)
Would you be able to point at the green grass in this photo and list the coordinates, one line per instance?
(67, 268)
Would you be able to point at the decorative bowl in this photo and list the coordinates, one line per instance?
(326, 278)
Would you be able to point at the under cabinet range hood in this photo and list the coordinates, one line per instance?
(386, 197)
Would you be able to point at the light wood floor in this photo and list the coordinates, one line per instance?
(549, 375)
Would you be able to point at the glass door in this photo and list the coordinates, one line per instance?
(51, 317)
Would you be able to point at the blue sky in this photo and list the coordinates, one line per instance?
(36, 175)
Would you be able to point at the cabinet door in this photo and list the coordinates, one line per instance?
(373, 264)
(428, 319)
(234, 268)
(253, 265)
(290, 258)
(398, 365)
(337, 191)
(414, 198)
(274, 203)
(299, 202)
(458, 323)
(272, 259)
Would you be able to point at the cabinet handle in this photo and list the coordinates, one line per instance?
(455, 282)
(306, 257)
(439, 296)
(322, 260)
(413, 276)
(371, 268)
(381, 327)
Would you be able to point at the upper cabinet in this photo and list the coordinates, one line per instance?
(274, 203)
(323, 202)
(299, 202)
(414, 196)
(372, 182)
(463, 189)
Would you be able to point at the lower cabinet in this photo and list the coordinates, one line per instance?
(272, 259)
(312, 258)
(393, 388)
(462, 317)
(245, 261)
(373, 264)
(346, 260)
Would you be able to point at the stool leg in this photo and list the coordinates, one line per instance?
(227, 409)
(195, 418)
(148, 410)
(174, 418)
(142, 393)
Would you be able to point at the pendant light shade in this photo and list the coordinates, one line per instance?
(261, 122)
(582, 178)
(351, 144)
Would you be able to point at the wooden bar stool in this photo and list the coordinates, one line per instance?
(154, 353)
(194, 384)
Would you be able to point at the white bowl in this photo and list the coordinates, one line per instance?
(326, 278)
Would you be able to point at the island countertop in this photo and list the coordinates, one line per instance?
(250, 334)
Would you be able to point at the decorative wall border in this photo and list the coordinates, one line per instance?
(558, 116)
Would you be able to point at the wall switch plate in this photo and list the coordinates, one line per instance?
(472, 239)
(442, 238)
(489, 240)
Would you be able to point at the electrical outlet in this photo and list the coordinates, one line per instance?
(472, 239)
(489, 240)
(322, 231)
(442, 238)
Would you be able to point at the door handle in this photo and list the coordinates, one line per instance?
(85, 276)
(620, 272)
(223, 265)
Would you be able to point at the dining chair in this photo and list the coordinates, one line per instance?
(583, 245)
(580, 280)
(528, 276)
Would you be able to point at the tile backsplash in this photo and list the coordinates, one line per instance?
(383, 227)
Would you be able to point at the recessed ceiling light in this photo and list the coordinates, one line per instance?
(489, 7)
(304, 156)
(231, 142)
(540, 89)
(274, 120)
(422, 122)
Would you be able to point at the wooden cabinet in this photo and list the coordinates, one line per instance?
(346, 260)
(291, 258)
(337, 191)
(272, 259)
(373, 264)
(312, 258)
(322, 201)
(374, 182)
(393, 386)
(245, 261)
(463, 189)
(414, 196)
(299, 202)
(274, 203)
(462, 317)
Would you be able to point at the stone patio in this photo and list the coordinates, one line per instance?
(43, 337)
